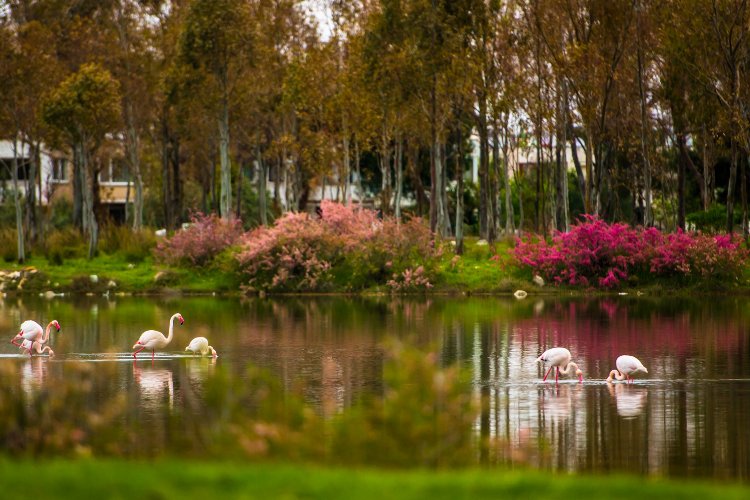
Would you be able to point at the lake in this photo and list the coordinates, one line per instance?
(688, 417)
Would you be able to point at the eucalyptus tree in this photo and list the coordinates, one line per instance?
(217, 42)
(83, 109)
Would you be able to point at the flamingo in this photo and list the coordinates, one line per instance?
(199, 345)
(32, 331)
(627, 366)
(559, 358)
(153, 340)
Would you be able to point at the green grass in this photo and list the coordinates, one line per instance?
(130, 277)
(180, 479)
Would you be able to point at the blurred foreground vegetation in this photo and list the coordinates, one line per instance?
(184, 479)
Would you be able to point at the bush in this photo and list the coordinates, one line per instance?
(61, 213)
(135, 246)
(595, 253)
(64, 244)
(349, 245)
(205, 238)
(8, 244)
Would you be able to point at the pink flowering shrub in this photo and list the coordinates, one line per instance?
(346, 246)
(597, 254)
(198, 244)
(410, 281)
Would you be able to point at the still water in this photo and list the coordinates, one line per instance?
(689, 417)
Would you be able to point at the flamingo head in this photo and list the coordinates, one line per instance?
(56, 325)
(187, 348)
(181, 319)
(579, 374)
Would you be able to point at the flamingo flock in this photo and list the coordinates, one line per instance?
(31, 338)
(559, 358)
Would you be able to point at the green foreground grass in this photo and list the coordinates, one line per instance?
(179, 479)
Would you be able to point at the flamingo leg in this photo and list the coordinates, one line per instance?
(557, 374)
(546, 374)
(13, 341)
(153, 353)
(136, 352)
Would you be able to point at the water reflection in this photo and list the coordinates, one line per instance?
(629, 400)
(687, 418)
(154, 384)
(34, 374)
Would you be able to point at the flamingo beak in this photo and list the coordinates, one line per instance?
(580, 378)
(57, 325)
(182, 320)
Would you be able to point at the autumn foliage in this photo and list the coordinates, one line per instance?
(597, 254)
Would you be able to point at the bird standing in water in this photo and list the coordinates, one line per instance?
(559, 359)
(152, 340)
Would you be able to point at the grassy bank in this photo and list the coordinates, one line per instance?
(169, 479)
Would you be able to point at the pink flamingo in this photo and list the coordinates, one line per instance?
(559, 358)
(153, 340)
(31, 333)
(627, 366)
(30, 346)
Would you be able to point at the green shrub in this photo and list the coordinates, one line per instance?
(65, 243)
(134, 246)
(8, 244)
(61, 213)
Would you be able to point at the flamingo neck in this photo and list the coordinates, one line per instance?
(567, 369)
(171, 329)
(213, 352)
(46, 333)
(614, 374)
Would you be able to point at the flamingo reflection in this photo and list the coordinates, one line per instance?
(629, 400)
(34, 374)
(153, 383)
(557, 404)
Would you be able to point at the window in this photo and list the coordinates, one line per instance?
(116, 170)
(59, 169)
(6, 165)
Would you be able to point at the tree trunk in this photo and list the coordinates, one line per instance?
(743, 196)
(90, 225)
(32, 221)
(485, 213)
(563, 213)
(648, 217)
(225, 205)
(459, 193)
(730, 189)
(238, 210)
(444, 205)
(134, 161)
(681, 192)
(77, 191)
(360, 189)
(21, 251)
(509, 216)
(347, 166)
(398, 165)
(166, 184)
(494, 183)
(262, 186)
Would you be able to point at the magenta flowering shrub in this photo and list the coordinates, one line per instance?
(346, 245)
(205, 238)
(597, 254)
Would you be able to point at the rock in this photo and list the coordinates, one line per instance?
(160, 233)
(112, 284)
(622, 293)
(482, 243)
(2, 286)
(94, 278)
(15, 275)
(538, 280)
(49, 294)
(21, 284)
(131, 266)
(520, 294)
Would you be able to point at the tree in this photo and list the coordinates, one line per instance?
(217, 43)
(83, 109)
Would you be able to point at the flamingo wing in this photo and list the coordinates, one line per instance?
(629, 365)
(151, 339)
(557, 356)
(199, 344)
(31, 330)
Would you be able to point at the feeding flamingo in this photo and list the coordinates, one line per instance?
(153, 340)
(627, 366)
(199, 345)
(559, 358)
(31, 333)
